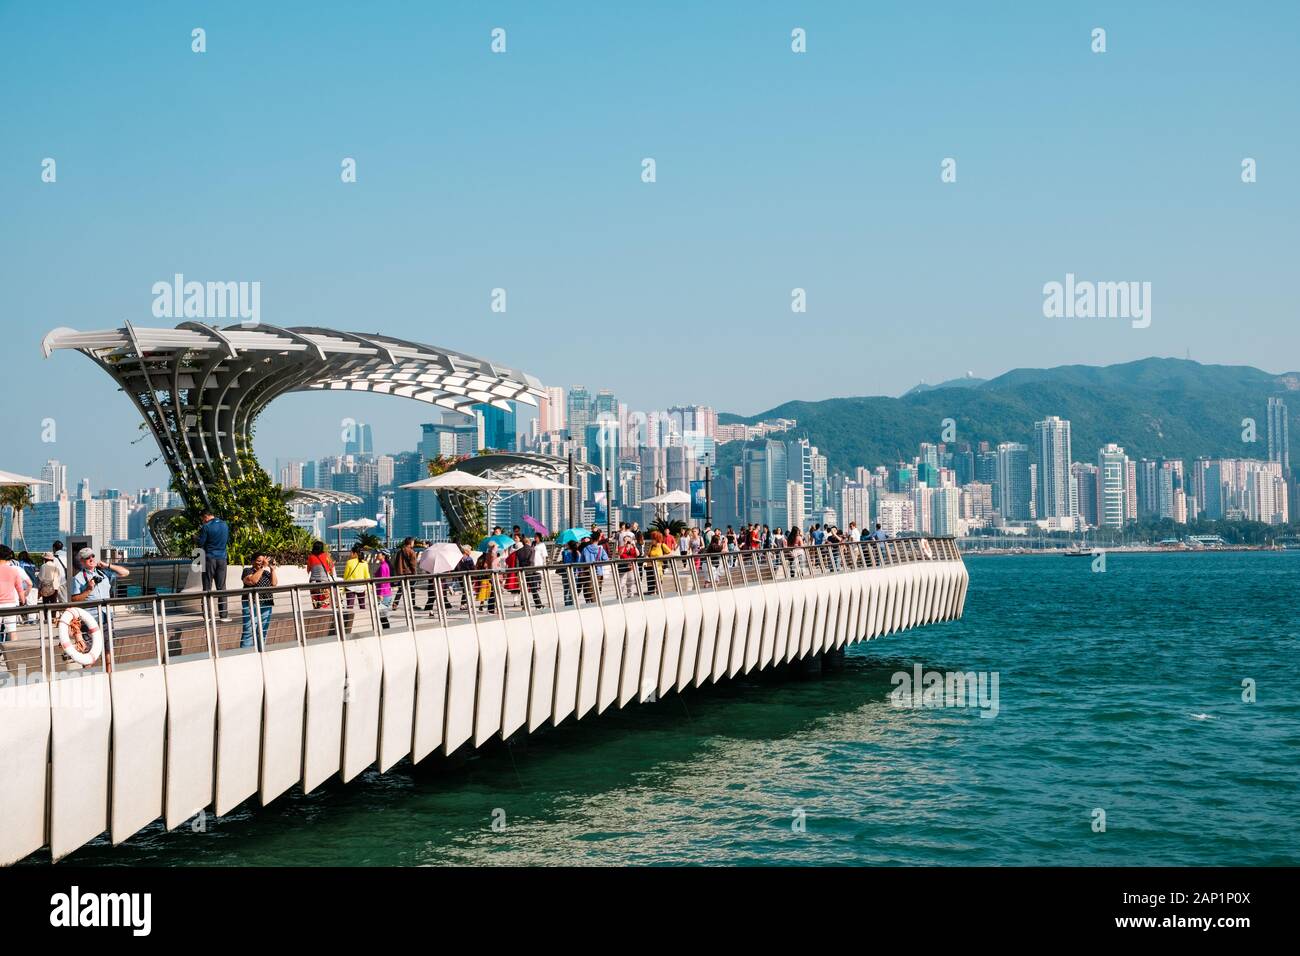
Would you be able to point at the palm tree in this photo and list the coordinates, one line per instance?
(676, 526)
(18, 497)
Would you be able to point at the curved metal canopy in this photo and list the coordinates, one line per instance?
(200, 388)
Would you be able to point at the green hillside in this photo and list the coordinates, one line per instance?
(1155, 407)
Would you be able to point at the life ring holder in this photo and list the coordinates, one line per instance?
(89, 624)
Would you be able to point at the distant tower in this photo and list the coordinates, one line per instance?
(1279, 443)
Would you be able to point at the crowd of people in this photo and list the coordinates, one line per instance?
(24, 581)
(528, 550)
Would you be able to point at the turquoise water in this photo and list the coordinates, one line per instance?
(1099, 678)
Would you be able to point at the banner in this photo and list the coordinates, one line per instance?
(699, 503)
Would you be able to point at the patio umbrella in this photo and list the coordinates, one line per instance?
(668, 498)
(9, 480)
(458, 481)
(572, 534)
(437, 558)
(354, 524)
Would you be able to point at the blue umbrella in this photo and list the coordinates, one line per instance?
(572, 534)
(503, 541)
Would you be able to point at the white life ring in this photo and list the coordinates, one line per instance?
(88, 623)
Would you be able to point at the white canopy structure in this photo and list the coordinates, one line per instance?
(10, 480)
(200, 388)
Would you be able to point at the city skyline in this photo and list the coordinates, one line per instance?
(780, 480)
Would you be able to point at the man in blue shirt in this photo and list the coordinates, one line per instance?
(878, 535)
(592, 552)
(214, 536)
(94, 582)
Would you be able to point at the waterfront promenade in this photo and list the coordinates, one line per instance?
(175, 717)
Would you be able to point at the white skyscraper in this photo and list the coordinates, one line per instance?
(1112, 486)
(1055, 497)
(56, 473)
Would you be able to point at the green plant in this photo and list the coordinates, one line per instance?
(254, 507)
(676, 526)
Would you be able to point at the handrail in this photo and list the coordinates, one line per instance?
(895, 557)
(148, 635)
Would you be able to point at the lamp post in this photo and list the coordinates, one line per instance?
(708, 493)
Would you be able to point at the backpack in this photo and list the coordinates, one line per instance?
(47, 582)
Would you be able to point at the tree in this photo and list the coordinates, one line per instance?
(19, 498)
(254, 507)
(676, 526)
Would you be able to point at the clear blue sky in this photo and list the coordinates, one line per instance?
(522, 171)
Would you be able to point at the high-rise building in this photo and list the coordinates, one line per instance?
(577, 412)
(1148, 488)
(448, 440)
(56, 473)
(1172, 493)
(361, 442)
(855, 505)
(799, 467)
(1279, 437)
(1013, 484)
(604, 451)
(497, 426)
(291, 475)
(1112, 486)
(766, 488)
(794, 511)
(409, 466)
(1086, 478)
(550, 410)
(945, 505)
(1056, 496)
(963, 464)
(894, 513)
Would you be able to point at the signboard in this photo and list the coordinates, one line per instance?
(699, 501)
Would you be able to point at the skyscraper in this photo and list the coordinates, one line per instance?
(766, 477)
(56, 473)
(498, 426)
(1013, 481)
(578, 412)
(1279, 438)
(361, 442)
(1056, 492)
(550, 410)
(1112, 486)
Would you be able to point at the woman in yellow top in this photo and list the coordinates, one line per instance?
(658, 549)
(357, 569)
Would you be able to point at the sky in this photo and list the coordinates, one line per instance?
(522, 170)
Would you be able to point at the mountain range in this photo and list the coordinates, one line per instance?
(1154, 408)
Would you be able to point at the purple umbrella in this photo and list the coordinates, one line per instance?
(536, 525)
